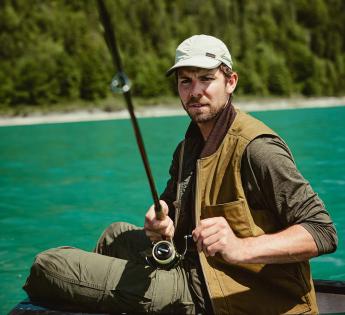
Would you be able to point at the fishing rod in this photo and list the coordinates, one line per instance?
(164, 254)
(121, 84)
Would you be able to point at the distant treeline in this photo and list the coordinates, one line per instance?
(53, 50)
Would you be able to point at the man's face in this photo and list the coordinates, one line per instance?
(204, 92)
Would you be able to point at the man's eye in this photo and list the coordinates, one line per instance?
(207, 79)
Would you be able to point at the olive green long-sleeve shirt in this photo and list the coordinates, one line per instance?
(272, 181)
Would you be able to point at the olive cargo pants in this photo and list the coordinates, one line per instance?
(115, 278)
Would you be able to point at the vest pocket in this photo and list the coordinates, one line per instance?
(235, 214)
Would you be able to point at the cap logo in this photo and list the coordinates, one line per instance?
(210, 55)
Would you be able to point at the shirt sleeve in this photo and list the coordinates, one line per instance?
(272, 181)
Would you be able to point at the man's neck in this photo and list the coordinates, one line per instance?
(206, 128)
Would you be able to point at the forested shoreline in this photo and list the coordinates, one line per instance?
(54, 51)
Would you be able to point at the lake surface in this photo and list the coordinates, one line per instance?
(62, 184)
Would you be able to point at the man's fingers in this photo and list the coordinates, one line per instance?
(203, 226)
(201, 237)
(153, 236)
(212, 244)
(207, 238)
(162, 228)
(164, 207)
(156, 227)
(170, 230)
(209, 234)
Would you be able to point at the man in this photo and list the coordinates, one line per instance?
(234, 187)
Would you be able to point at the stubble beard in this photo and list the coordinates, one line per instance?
(203, 117)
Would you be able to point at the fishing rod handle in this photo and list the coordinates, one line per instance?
(160, 215)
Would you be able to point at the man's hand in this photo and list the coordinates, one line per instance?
(214, 235)
(154, 228)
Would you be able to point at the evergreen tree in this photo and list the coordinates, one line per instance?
(54, 50)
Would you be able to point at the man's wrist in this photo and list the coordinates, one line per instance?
(240, 253)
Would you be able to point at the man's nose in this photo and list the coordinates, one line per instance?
(196, 89)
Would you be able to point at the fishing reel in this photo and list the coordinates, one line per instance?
(165, 255)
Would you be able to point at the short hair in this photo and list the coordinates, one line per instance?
(226, 70)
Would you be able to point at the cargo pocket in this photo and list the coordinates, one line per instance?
(131, 287)
(234, 213)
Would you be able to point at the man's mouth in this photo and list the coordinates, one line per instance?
(196, 105)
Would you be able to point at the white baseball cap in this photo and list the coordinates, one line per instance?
(202, 51)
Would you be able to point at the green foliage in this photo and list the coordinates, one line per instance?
(279, 81)
(68, 76)
(53, 51)
(6, 86)
(150, 76)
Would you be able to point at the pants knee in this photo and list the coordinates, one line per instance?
(117, 228)
(34, 285)
(46, 263)
(110, 234)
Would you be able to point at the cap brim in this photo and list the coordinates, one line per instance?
(203, 62)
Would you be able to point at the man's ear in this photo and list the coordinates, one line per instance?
(231, 83)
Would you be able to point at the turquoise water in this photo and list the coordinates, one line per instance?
(62, 184)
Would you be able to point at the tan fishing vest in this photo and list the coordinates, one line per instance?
(246, 288)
